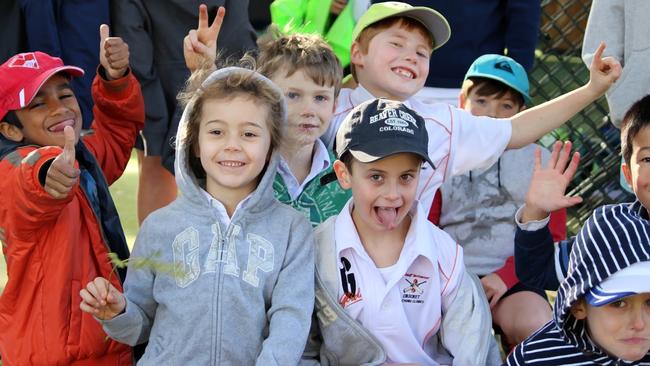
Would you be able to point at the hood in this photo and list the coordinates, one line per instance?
(190, 187)
(7, 146)
(613, 238)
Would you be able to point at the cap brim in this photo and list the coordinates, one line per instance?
(38, 82)
(526, 97)
(617, 287)
(369, 158)
(432, 20)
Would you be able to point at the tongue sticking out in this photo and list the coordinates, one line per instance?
(387, 216)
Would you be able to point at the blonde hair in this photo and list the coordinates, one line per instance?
(369, 32)
(234, 83)
(305, 52)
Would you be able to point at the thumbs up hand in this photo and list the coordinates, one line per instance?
(113, 54)
(62, 174)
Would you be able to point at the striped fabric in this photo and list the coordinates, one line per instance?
(613, 238)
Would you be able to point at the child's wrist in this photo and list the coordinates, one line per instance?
(532, 213)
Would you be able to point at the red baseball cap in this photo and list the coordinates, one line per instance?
(23, 75)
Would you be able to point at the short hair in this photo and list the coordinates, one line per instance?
(306, 52)
(486, 87)
(369, 32)
(234, 85)
(12, 118)
(636, 119)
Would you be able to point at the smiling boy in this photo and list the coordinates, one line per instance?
(59, 219)
(390, 59)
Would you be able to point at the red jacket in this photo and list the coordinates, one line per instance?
(54, 247)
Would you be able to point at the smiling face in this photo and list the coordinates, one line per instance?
(53, 108)
(383, 191)
(234, 142)
(396, 63)
(637, 171)
(310, 106)
(622, 328)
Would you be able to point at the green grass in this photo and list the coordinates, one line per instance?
(124, 195)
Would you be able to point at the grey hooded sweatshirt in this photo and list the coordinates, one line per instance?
(210, 292)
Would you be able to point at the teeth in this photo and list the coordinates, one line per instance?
(232, 164)
(402, 72)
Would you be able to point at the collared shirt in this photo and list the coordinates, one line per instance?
(458, 141)
(401, 305)
(220, 209)
(320, 161)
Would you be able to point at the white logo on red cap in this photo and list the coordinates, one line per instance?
(24, 60)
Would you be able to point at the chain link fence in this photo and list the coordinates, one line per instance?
(557, 70)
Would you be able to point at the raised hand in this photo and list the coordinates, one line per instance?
(113, 54)
(604, 71)
(200, 45)
(62, 174)
(102, 299)
(547, 189)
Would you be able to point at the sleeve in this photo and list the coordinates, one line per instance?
(119, 116)
(534, 258)
(30, 206)
(516, 357)
(507, 273)
(134, 325)
(467, 324)
(288, 15)
(40, 26)
(292, 302)
(476, 142)
(606, 23)
(522, 26)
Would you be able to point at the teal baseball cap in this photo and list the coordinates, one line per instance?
(433, 21)
(501, 68)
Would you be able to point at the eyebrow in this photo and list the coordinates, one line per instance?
(245, 123)
(645, 148)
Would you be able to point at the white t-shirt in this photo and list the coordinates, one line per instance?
(458, 141)
(403, 306)
(320, 161)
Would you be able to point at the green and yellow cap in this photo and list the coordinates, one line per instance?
(433, 21)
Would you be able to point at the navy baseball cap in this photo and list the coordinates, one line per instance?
(381, 127)
(503, 69)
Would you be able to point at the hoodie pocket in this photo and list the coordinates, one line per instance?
(74, 324)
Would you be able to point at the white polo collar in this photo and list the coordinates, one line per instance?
(320, 161)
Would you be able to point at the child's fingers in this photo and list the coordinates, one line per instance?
(88, 298)
(68, 148)
(564, 157)
(203, 16)
(555, 153)
(85, 307)
(598, 55)
(104, 32)
(573, 166)
(538, 159)
(215, 27)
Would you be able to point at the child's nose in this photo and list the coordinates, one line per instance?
(392, 191)
(233, 142)
(640, 319)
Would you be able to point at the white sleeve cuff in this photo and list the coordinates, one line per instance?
(532, 225)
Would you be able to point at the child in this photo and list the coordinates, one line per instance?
(477, 208)
(309, 74)
(58, 217)
(241, 289)
(390, 59)
(538, 261)
(392, 287)
(602, 310)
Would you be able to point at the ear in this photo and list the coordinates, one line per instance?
(356, 55)
(336, 102)
(11, 132)
(461, 100)
(579, 309)
(342, 174)
(627, 173)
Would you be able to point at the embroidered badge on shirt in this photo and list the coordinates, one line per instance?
(351, 294)
(413, 287)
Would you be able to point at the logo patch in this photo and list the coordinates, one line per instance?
(413, 288)
(351, 294)
(504, 65)
(27, 60)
